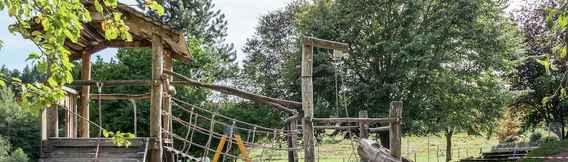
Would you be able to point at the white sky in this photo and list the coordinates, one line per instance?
(241, 14)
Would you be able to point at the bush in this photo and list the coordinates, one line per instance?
(535, 137)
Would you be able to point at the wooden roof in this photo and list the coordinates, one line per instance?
(141, 27)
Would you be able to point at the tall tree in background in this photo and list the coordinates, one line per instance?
(432, 55)
(541, 78)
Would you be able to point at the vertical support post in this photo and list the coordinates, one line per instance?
(73, 104)
(307, 101)
(395, 113)
(156, 99)
(85, 98)
(292, 139)
(364, 125)
(69, 122)
(167, 101)
(49, 122)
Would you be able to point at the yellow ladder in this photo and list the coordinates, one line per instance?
(242, 148)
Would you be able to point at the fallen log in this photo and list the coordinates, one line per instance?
(370, 151)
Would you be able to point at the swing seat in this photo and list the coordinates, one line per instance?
(85, 150)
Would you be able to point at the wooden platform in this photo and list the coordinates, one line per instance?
(92, 149)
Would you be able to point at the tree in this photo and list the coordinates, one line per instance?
(435, 56)
(9, 154)
(49, 24)
(541, 78)
(20, 126)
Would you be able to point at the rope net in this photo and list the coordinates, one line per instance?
(204, 129)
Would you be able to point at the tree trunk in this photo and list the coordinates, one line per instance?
(449, 145)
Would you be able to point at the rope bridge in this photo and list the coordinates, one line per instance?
(218, 127)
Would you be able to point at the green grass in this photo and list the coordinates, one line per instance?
(421, 149)
(548, 149)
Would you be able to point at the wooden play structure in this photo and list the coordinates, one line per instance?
(163, 143)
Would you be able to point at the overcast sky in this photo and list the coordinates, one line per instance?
(241, 14)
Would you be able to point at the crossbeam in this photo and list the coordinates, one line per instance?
(321, 43)
(120, 96)
(353, 120)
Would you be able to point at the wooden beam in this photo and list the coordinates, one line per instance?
(167, 102)
(321, 43)
(120, 96)
(113, 82)
(156, 99)
(235, 92)
(395, 143)
(85, 97)
(353, 120)
(308, 102)
(379, 129)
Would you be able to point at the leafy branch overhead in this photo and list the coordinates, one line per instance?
(60, 21)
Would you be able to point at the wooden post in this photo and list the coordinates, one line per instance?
(292, 139)
(156, 99)
(307, 102)
(363, 125)
(85, 99)
(167, 101)
(69, 103)
(49, 122)
(395, 143)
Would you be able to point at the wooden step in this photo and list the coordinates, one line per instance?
(87, 150)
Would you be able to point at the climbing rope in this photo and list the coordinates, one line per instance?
(133, 102)
(99, 92)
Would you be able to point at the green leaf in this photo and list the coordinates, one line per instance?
(563, 21)
(98, 6)
(33, 56)
(2, 83)
(546, 63)
(154, 6)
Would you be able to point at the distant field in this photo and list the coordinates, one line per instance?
(414, 148)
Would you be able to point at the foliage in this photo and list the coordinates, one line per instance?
(19, 125)
(509, 125)
(540, 79)
(119, 138)
(49, 23)
(548, 149)
(443, 59)
(11, 154)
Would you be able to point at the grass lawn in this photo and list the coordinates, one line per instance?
(557, 148)
(421, 149)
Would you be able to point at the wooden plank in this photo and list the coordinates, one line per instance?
(363, 125)
(280, 103)
(156, 99)
(321, 43)
(85, 97)
(308, 102)
(353, 120)
(379, 129)
(395, 143)
(120, 96)
(108, 83)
